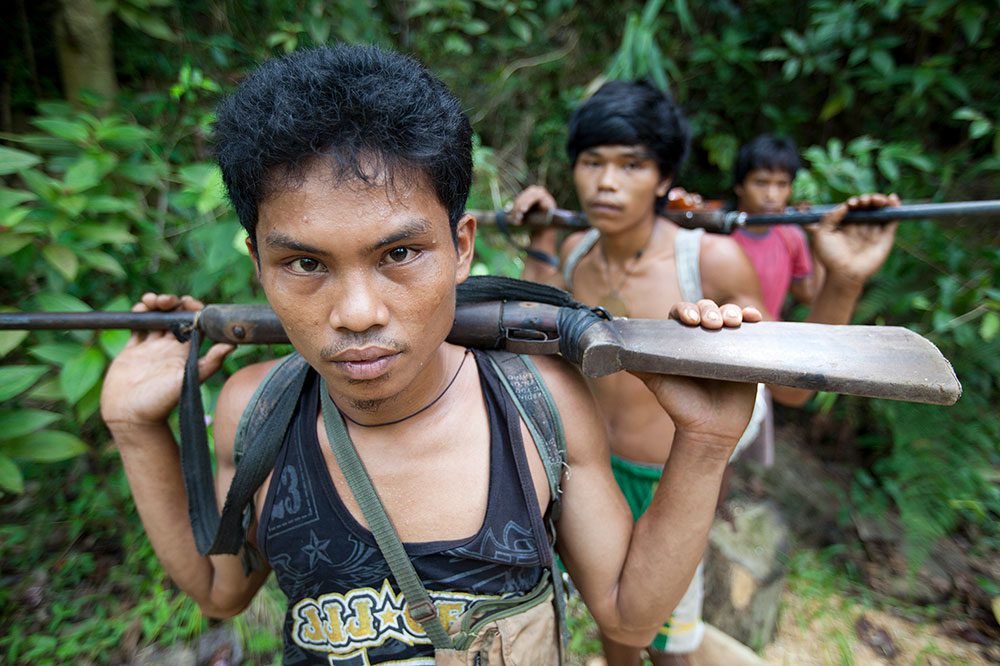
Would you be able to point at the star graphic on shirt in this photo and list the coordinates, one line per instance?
(388, 616)
(314, 549)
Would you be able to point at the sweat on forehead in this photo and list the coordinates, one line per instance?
(371, 115)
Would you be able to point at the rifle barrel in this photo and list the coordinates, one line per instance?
(725, 222)
(72, 321)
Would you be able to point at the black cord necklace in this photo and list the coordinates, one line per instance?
(419, 411)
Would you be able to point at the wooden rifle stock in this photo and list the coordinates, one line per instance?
(875, 361)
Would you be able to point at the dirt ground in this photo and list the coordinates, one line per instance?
(815, 632)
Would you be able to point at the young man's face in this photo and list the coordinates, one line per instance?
(363, 279)
(764, 191)
(618, 185)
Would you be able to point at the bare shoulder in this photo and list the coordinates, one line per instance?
(571, 242)
(233, 399)
(726, 271)
(577, 407)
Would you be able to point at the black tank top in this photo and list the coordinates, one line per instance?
(344, 606)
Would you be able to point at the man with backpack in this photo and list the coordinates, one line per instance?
(407, 513)
(626, 144)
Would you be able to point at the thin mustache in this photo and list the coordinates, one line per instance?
(360, 342)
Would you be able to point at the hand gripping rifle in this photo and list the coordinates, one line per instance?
(726, 222)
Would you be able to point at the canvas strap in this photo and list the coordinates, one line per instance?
(421, 608)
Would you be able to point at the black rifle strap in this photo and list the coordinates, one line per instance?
(543, 257)
(196, 459)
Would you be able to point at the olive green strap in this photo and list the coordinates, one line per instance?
(421, 607)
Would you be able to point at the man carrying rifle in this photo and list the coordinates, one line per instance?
(626, 144)
(762, 181)
(350, 168)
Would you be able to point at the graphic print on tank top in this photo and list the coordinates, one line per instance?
(344, 605)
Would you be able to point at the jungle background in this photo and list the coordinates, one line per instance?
(107, 190)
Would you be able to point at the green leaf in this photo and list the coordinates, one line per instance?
(142, 174)
(771, 54)
(56, 353)
(63, 129)
(15, 379)
(112, 342)
(979, 128)
(19, 422)
(104, 262)
(109, 233)
(520, 27)
(791, 68)
(10, 340)
(44, 446)
(10, 476)
(12, 198)
(12, 242)
(72, 205)
(47, 390)
(990, 326)
(103, 203)
(882, 62)
(126, 137)
(83, 175)
(45, 187)
(14, 161)
(475, 27)
(154, 26)
(56, 302)
(80, 374)
(62, 259)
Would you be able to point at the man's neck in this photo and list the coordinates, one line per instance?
(623, 246)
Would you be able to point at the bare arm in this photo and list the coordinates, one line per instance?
(728, 276)
(140, 390)
(537, 197)
(632, 577)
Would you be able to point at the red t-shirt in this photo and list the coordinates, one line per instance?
(779, 255)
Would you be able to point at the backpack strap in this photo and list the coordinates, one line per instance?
(578, 252)
(258, 438)
(421, 608)
(687, 259)
(519, 375)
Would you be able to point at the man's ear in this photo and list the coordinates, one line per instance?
(663, 187)
(253, 255)
(739, 190)
(465, 245)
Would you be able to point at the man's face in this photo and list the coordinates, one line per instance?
(764, 191)
(363, 279)
(618, 185)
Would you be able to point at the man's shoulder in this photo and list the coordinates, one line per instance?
(716, 248)
(234, 398)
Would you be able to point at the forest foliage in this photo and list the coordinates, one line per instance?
(102, 199)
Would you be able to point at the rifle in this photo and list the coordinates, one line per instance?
(873, 361)
(726, 222)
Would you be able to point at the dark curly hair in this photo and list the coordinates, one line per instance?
(367, 113)
(631, 113)
(773, 153)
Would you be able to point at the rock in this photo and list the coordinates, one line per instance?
(745, 573)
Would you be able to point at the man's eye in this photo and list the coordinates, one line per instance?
(305, 265)
(398, 255)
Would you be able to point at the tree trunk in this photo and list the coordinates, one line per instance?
(83, 39)
(745, 573)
